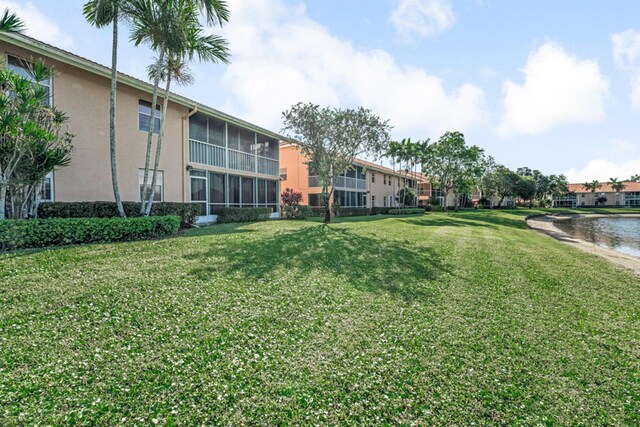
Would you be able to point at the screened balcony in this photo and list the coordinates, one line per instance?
(213, 142)
(355, 179)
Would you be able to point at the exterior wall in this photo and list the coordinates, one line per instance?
(85, 98)
(297, 173)
(83, 94)
(590, 199)
(380, 190)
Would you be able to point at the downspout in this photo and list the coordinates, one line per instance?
(185, 144)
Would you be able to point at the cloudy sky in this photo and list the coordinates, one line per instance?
(553, 85)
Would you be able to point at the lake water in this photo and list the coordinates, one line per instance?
(619, 234)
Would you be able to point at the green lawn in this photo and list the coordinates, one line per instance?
(429, 320)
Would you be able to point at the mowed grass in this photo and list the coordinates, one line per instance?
(439, 319)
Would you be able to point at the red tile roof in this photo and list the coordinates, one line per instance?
(606, 188)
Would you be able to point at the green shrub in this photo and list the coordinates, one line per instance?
(380, 210)
(186, 211)
(317, 211)
(297, 211)
(354, 212)
(406, 211)
(39, 233)
(244, 214)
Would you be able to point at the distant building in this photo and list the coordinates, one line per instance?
(604, 196)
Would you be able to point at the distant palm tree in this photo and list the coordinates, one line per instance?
(617, 186)
(592, 186)
(172, 28)
(634, 178)
(102, 13)
(10, 23)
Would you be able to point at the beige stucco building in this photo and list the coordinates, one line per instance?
(604, 196)
(366, 185)
(208, 157)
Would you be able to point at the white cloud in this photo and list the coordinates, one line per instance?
(422, 18)
(602, 170)
(38, 25)
(281, 57)
(626, 52)
(559, 88)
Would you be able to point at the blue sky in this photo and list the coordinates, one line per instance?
(553, 85)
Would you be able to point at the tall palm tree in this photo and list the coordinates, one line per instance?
(172, 28)
(617, 186)
(102, 13)
(634, 178)
(592, 186)
(10, 23)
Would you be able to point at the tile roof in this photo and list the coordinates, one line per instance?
(606, 188)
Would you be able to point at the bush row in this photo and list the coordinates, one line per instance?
(406, 211)
(244, 214)
(39, 233)
(186, 211)
(344, 212)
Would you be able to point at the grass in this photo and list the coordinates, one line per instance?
(437, 319)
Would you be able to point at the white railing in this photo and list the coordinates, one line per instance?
(268, 166)
(213, 155)
(206, 154)
(242, 161)
(346, 182)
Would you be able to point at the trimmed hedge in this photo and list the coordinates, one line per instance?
(186, 211)
(297, 211)
(406, 211)
(40, 233)
(244, 214)
(380, 210)
(343, 212)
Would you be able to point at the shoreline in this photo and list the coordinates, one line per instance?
(545, 224)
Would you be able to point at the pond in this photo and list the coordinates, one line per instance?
(619, 234)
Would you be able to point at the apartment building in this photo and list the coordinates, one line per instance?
(208, 157)
(365, 185)
(604, 196)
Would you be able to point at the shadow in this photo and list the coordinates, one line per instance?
(444, 222)
(214, 229)
(370, 264)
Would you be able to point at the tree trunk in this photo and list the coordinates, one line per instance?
(147, 158)
(156, 164)
(327, 210)
(112, 118)
(500, 202)
(3, 201)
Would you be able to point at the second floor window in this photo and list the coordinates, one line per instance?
(22, 68)
(144, 117)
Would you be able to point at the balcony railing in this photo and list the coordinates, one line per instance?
(353, 183)
(242, 161)
(268, 166)
(214, 155)
(206, 154)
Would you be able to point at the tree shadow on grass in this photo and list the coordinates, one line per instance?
(471, 219)
(365, 262)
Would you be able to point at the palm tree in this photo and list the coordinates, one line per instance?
(10, 23)
(172, 28)
(634, 178)
(592, 186)
(102, 13)
(617, 186)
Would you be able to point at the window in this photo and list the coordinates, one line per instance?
(373, 201)
(262, 192)
(283, 174)
(373, 178)
(46, 193)
(144, 117)
(315, 200)
(384, 179)
(272, 192)
(247, 141)
(384, 199)
(22, 68)
(158, 196)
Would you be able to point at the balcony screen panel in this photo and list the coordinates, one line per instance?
(262, 192)
(247, 140)
(234, 142)
(198, 127)
(272, 192)
(216, 188)
(216, 132)
(247, 191)
(267, 147)
(351, 172)
(234, 190)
